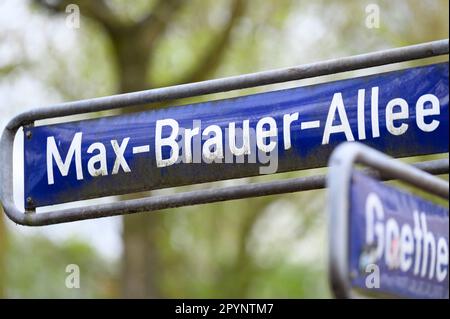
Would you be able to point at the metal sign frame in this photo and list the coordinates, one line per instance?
(341, 167)
(30, 218)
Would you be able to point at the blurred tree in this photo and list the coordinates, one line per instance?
(154, 42)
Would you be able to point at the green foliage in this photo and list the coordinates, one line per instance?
(36, 268)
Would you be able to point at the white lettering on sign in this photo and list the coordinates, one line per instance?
(262, 134)
(287, 121)
(120, 161)
(406, 247)
(53, 154)
(167, 141)
(391, 116)
(97, 163)
(421, 112)
(212, 150)
(245, 148)
(238, 141)
(100, 158)
(337, 104)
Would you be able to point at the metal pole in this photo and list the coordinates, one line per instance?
(305, 71)
(205, 196)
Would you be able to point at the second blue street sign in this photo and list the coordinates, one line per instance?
(402, 113)
(398, 242)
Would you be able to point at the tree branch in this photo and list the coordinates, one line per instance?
(213, 56)
(97, 10)
(9, 68)
(156, 22)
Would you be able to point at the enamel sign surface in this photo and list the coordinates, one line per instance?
(402, 113)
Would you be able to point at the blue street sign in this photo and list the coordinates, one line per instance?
(398, 242)
(402, 113)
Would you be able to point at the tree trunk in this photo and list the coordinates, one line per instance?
(140, 259)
